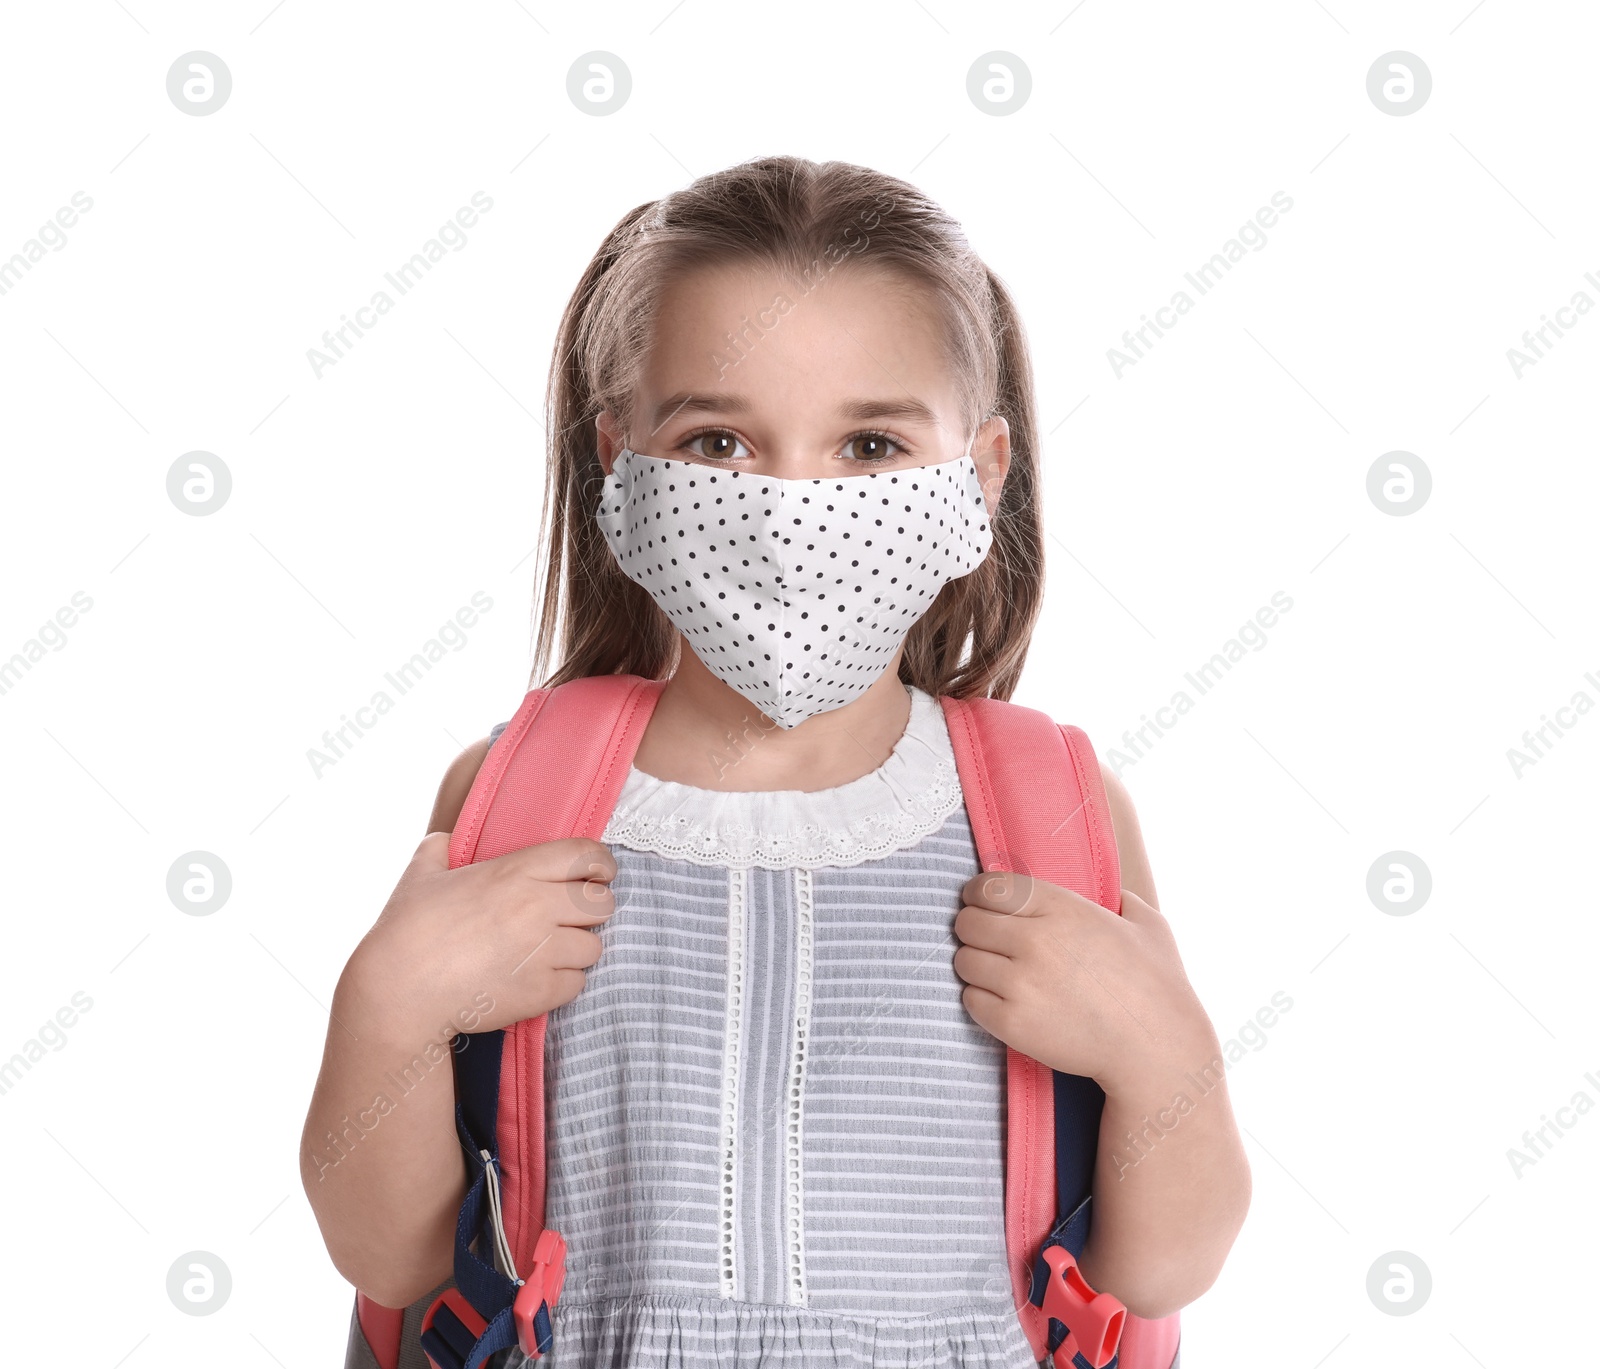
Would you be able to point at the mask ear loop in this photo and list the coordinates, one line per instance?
(972, 441)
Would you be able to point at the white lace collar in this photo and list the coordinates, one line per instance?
(893, 807)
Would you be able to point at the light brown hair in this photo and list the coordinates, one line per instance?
(803, 219)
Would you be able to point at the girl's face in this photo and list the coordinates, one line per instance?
(748, 371)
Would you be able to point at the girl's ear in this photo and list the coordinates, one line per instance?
(610, 439)
(991, 454)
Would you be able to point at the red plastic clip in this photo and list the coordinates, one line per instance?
(542, 1287)
(453, 1301)
(1093, 1320)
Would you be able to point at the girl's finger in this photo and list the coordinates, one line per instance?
(572, 948)
(983, 1007)
(1004, 891)
(987, 930)
(983, 969)
(587, 902)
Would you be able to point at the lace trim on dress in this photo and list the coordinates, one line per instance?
(889, 809)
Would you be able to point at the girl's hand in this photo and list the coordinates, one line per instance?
(1084, 991)
(490, 943)
(1059, 978)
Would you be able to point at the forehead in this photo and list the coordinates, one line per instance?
(848, 333)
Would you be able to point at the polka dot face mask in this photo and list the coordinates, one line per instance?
(794, 592)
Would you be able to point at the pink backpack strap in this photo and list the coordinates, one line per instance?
(554, 772)
(1037, 804)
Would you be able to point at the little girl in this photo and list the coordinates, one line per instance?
(793, 473)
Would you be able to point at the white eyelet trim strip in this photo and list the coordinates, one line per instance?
(794, 1177)
(733, 1028)
(888, 809)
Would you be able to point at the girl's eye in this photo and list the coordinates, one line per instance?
(872, 448)
(715, 444)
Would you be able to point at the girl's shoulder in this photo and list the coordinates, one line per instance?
(1131, 855)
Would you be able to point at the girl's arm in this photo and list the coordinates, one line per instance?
(380, 1161)
(1172, 1183)
(1087, 992)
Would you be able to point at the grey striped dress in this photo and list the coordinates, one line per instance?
(776, 1134)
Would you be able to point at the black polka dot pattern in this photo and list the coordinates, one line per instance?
(794, 592)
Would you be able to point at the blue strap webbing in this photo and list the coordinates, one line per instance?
(491, 1293)
(477, 1067)
(500, 1334)
(484, 1286)
(1079, 1103)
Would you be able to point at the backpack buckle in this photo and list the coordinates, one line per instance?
(1093, 1320)
(530, 1313)
(450, 1328)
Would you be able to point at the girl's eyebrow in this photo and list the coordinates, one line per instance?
(861, 410)
(701, 404)
(857, 410)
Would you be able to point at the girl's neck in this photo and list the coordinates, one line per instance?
(706, 734)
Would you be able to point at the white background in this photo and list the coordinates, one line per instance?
(369, 504)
